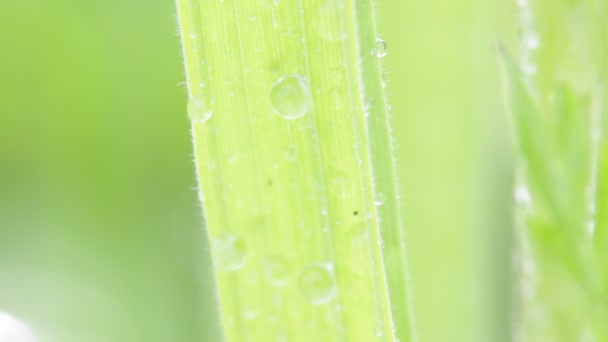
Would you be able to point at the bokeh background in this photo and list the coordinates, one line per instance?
(101, 233)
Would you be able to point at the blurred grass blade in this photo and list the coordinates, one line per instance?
(295, 167)
(557, 94)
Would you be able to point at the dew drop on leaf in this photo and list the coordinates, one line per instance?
(276, 271)
(269, 3)
(291, 153)
(317, 283)
(329, 22)
(522, 195)
(531, 40)
(379, 199)
(199, 110)
(229, 252)
(378, 331)
(290, 96)
(380, 50)
(250, 315)
(356, 252)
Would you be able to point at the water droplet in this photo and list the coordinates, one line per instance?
(528, 266)
(250, 315)
(522, 195)
(531, 41)
(529, 69)
(269, 3)
(193, 35)
(317, 283)
(229, 252)
(356, 252)
(381, 48)
(199, 110)
(379, 199)
(13, 330)
(276, 271)
(337, 78)
(329, 22)
(290, 96)
(291, 153)
(232, 158)
(378, 331)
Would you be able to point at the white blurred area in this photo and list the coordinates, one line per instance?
(13, 330)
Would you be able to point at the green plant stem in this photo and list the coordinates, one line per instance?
(295, 169)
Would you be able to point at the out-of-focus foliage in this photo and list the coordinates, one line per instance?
(100, 229)
(454, 160)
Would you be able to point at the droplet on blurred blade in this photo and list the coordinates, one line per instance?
(531, 41)
(522, 195)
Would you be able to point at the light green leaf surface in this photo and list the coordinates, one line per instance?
(295, 167)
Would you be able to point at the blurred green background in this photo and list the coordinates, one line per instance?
(100, 228)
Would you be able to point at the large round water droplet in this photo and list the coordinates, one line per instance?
(317, 283)
(276, 271)
(199, 110)
(290, 96)
(229, 252)
(13, 330)
(380, 50)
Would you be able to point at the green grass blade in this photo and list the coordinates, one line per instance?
(296, 173)
(557, 94)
